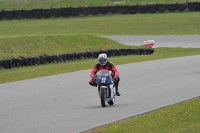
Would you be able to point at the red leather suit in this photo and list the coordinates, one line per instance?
(108, 66)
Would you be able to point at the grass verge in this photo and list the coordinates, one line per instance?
(178, 118)
(139, 24)
(32, 4)
(22, 73)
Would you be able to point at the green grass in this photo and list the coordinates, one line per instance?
(35, 4)
(46, 45)
(39, 36)
(178, 118)
(139, 24)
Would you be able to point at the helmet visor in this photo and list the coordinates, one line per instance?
(102, 61)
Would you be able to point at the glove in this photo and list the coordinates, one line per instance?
(93, 78)
(115, 79)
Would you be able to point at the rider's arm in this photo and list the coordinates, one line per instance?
(93, 72)
(116, 72)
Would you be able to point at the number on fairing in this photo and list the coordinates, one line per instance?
(103, 80)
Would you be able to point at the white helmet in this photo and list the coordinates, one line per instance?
(102, 59)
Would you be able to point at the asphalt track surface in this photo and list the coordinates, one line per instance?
(65, 103)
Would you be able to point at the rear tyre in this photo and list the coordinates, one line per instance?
(103, 97)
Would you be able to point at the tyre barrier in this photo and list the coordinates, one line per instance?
(37, 13)
(85, 11)
(132, 9)
(18, 14)
(172, 7)
(153, 8)
(182, 7)
(94, 10)
(65, 12)
(56, 12)
(162, 8)
(103, 10)
(28, 14)
(0, 63)
(46, 13)
(193, 6)
(198, 7)
(123, 9)
(67, 57)
(1, 15)
(8, 15)
(76, 11)
(142, 8)
(113, 9)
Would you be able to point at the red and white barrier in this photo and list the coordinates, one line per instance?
(149, 43)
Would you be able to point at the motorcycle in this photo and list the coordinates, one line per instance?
(106, 87)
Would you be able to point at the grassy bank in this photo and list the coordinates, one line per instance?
(31, 4)
(51, 44)
(139, 24)
(178, 118)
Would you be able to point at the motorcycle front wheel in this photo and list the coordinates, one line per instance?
(103, 97)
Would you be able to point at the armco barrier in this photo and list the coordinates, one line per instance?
(44, 59)
(172, 7)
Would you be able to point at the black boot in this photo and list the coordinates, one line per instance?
(116, 85)
(117, 92)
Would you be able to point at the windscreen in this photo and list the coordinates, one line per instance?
(103, 72)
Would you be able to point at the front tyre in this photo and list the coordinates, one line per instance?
(103, 97)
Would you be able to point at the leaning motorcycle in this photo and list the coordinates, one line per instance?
(106, 87)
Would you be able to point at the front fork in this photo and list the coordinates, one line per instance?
(106, 88)
(110, 90)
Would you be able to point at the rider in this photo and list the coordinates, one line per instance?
(103, 63)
